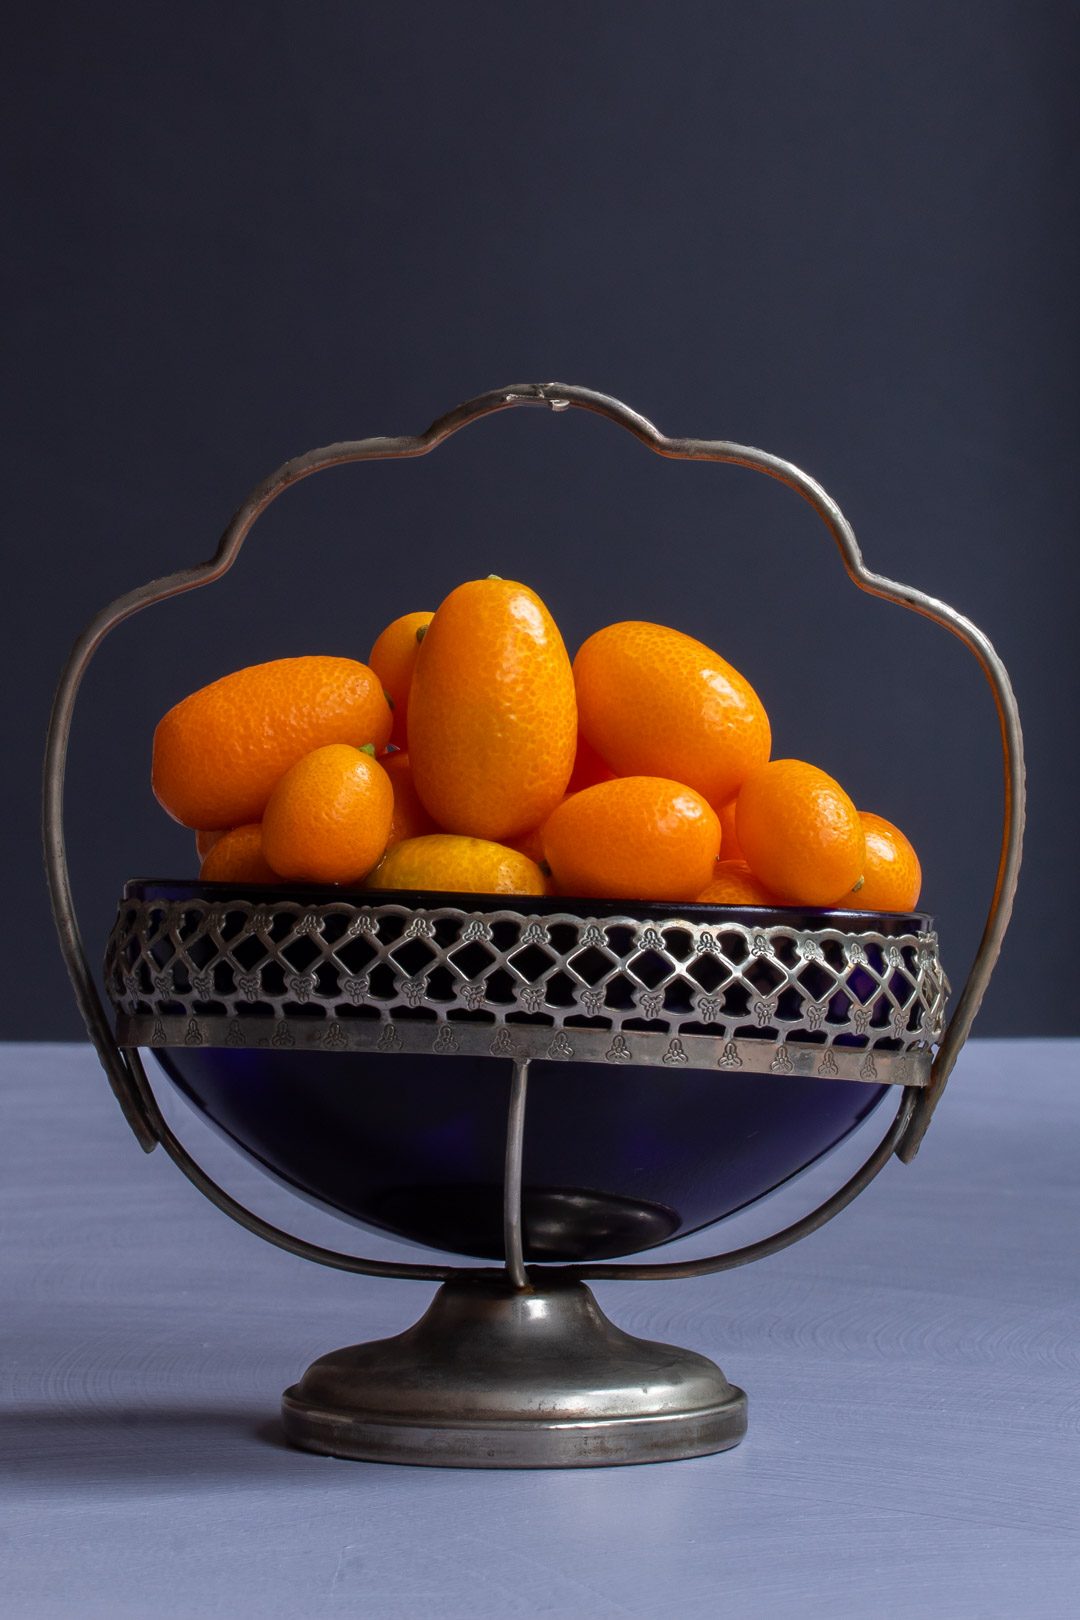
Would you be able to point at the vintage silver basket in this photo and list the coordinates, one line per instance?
(516, 1365)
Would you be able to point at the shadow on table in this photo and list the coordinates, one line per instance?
(126, 1445)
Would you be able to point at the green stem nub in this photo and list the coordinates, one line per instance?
(368, 748)
(421, 632)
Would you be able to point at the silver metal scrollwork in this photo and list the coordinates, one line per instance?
(882, 993)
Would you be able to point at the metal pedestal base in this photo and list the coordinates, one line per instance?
(495, 1377)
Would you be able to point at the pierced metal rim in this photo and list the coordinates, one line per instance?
(859, 1065)
(553, 906)
(126, 1074)
(678, 1014)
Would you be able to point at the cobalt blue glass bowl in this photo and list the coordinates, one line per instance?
(616, 1160)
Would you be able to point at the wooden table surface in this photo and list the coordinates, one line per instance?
(913, 1372)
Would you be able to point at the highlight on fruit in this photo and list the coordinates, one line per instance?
(470, 754)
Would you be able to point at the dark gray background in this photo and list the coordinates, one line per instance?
(843, 232)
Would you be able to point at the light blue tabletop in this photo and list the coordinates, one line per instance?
(913, 1372)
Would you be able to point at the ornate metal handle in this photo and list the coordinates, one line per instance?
(125, 1071)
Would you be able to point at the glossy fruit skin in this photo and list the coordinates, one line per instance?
(800, 833)
(492, 712)
(733, 884)
(635, 838)
(892, 876)
(393, 658)
(654, 702)
(410, 819)
(329, 817)
(237, 857)
(219, 754)
(458, 863)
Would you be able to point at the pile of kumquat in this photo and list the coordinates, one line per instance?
(470, 755)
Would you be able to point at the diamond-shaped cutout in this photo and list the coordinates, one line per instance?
(592, 964)
(248, 953)
(816, 980)
(709, 972)
(532, 962)
(301, 953)
(356, 954)
(162, 951)
(202, 951)
(414, 955)
(472, 959)
(765, 975)
(650, 968)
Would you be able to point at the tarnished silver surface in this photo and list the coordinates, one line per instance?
(748, 1056)
(497, 1377)
(523, 984)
